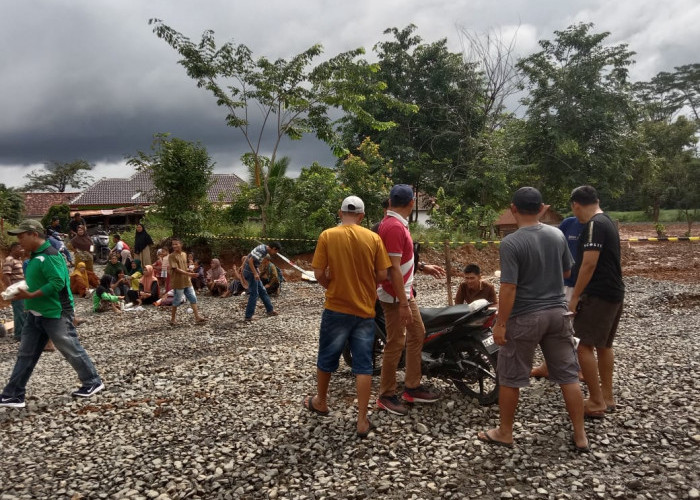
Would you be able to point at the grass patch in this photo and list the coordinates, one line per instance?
(671, 215)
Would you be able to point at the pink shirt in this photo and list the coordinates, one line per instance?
(398, 242)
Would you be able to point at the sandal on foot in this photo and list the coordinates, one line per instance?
(363, 435)
(308, 403)
(484, 437)
(594, 414)
(581, 449)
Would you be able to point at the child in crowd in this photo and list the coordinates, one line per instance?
(103, 299)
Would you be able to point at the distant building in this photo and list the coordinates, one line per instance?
(123, 201)
(506, 221)
(36, 205)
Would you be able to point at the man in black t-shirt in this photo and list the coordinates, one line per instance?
(597, 298)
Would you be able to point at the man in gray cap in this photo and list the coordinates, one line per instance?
(49, 303)
(532, 311)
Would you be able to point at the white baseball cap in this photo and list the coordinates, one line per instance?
(353, 204)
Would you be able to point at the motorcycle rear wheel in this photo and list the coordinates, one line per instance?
(102, 256)
(377, 352)
(481, 380)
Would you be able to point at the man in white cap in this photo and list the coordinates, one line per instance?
(348, 262)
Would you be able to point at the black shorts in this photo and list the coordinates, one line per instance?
(596, 321)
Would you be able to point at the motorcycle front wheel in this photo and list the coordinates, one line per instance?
(479, 379)
(377, 352)
(102, 256)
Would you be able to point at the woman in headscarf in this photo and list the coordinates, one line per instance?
(136, 273)
(149, 291)
(81, 244)
(79, 281)
(216, 278)
(142, 245)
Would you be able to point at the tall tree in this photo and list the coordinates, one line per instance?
(293, 97)
(579, 112)
(11, 204)
(56, 176)
(181, 173)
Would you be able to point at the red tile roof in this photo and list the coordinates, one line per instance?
(136, 190)
(37, 204)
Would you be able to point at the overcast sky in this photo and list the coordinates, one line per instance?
(88, 79)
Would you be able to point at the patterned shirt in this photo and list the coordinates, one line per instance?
(13, 268)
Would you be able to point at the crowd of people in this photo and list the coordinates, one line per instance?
(554, 284)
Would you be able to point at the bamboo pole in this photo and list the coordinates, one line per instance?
(448, 271)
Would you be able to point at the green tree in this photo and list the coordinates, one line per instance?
(293, 98)
(61, 211)
(56, 176)
(579, 113)
(11, 204)
(367, 175)
(432, 144)
(181, 173)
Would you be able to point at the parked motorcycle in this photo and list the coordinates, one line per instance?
(100, 246)
(458, 346)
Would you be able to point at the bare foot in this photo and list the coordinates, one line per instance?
(589, 406)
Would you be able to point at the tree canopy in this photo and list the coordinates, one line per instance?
(57, 176)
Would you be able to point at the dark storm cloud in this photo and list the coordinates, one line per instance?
(88, 79)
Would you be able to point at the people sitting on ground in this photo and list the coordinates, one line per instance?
(114, 267)
(103, 299)
(82, 280)
(474, 288)
(135, 274)
(55, 237)
(121, 284)
(216, 278)
(149, 291)
(200, 281)
(238, 284)
(81, 245)
(269, 275)
(121, 248)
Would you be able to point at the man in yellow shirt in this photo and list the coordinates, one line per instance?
(349, 262)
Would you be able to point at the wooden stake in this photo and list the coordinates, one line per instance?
(448, 270)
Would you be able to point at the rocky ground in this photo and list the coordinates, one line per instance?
(214, 411)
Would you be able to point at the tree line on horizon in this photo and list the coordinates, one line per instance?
(441, 122)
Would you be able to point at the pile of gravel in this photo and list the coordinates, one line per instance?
(214, 411)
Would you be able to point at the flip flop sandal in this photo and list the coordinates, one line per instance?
(580, 449)
(308, 403)
(489, 440)
(363, 435)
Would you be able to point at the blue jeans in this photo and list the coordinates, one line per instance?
(61, 247)
(36, 333)
(255, 288)
(18, 317)
(338, 328)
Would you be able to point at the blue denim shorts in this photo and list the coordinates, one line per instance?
(338, 328)
(189, 295)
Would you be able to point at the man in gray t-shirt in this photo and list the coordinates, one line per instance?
(532, 311)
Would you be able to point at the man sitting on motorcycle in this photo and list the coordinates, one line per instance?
(55, 237)
(473, 287)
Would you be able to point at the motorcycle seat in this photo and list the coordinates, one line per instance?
(440, 317)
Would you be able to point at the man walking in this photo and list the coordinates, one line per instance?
(532, 311)
(348, 262)
(49, 306)
(181, 282)
(597, 299)
(12, 273)
(404, 325)
(251, 273)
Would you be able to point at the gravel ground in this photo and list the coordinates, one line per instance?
(214, 411)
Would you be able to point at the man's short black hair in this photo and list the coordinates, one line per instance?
(55, 218)
(584, 195)
(472, 269)
(116, 237)
(14, 244)
(276, 245)
(175, 238)
(385, 203)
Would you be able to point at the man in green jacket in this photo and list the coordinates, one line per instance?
(49, 305)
